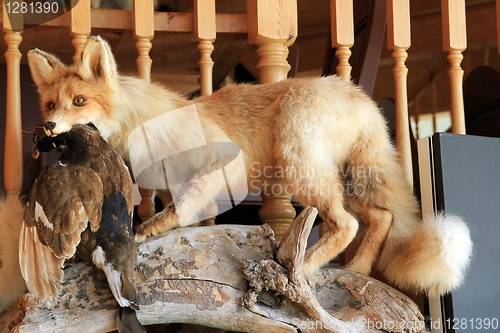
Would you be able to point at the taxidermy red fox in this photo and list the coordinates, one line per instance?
(323, 133)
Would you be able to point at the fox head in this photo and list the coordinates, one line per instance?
(81, 94)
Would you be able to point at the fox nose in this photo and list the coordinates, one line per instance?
(49, 126)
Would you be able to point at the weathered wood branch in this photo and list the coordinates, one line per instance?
(289, 281)
(229, 277)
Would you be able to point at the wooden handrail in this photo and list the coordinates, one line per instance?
(123, 20)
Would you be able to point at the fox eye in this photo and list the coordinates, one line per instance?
(79, 100)
(51, 106)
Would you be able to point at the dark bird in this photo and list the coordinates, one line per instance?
(81, 203)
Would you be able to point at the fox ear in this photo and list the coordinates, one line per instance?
(44, 67)
(98, 62)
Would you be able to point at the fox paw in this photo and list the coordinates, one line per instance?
(139, 238)
(358, 267)
(140, 233)
(148, 228)
(158, 224)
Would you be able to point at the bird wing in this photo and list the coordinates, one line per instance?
(117, 174)
(116, 251)
(127, 186)
(63, 200)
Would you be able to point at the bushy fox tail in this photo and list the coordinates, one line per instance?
(12, 285)
(434, 257)
(431, 255)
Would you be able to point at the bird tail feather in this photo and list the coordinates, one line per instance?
(41, 269)
(127, 322)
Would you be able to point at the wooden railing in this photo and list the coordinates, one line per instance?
(272, 28)
(398, 39)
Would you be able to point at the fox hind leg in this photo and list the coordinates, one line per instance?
(342, 228)
(378, 222)
(326, 193)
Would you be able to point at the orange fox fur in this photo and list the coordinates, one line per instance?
(327, 136)
(12, 285)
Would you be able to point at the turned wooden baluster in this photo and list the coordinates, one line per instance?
(498, 24)
(204, 34)
(398, 40)
(80, 26)
(455, 42)
(342, 34)
(416, 115)
(433, 102)
(13, 158)
(272, 27)
(143, 33)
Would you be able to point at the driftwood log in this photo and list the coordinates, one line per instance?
(228, 277)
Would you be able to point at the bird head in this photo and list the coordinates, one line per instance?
(78, 138)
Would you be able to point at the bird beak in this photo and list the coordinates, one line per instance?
(48, 128)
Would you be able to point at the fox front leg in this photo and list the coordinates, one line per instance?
(194, 195)
(160, 223)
